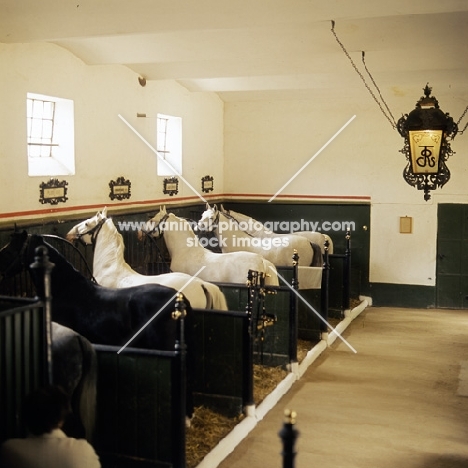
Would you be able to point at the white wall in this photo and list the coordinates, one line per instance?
(105, 148)
(275, 139)
(249, 147)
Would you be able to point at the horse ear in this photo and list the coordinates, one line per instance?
(104, 212)
(215, 208)
(208, 206)
(163, 209)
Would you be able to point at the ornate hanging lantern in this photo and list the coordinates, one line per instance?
(427, 131)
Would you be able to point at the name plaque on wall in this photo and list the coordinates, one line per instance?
(171, 186)
(207, 184)
(53, 192)
(120, 189)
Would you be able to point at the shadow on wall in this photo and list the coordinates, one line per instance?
(444, 461)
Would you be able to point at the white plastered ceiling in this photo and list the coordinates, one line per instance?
(253, 50)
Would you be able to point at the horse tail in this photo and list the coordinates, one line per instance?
(85, 393)
(317, 257)
(208, 296)
(215, 298)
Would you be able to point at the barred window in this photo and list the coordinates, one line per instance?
(50, 135)
(169, 145)
(40, 115)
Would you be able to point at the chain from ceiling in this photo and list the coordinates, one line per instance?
(386, 112)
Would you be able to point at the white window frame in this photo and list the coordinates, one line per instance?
(169, 145)
(56, 153)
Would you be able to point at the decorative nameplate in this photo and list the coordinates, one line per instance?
(207, 184)
(171, 186)
(120, 189)
(53, 192)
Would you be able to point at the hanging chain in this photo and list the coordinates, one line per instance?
(460, 119)
(377, 88)
(363, 79)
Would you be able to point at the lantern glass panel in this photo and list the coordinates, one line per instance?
(425, 150)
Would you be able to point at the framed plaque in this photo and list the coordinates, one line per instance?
(171, 186)
(120, 189)
(207, 184)
(406, 225)
(53, 192)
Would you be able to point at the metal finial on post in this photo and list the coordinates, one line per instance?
(288, 435)
(295, 265)
(180, 307)
(295, 257)
(44, 266)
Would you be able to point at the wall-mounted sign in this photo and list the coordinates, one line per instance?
(171, 186)
(406, 225)
(119, 189)
(53, 192)
(207, 184)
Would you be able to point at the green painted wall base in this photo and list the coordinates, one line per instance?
(402, 295)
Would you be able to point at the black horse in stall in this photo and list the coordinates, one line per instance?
(102, 315)
(107, 315)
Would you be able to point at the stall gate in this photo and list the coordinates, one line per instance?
(140, 408)
(25, 362)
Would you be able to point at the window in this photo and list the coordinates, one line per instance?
(50, 130)
(169, 145)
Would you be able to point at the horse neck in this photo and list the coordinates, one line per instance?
(66, 281)
(109, 251)
(176, 236)
(226, 219)
(240, 218)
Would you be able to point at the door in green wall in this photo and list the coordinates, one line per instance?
(452, 256)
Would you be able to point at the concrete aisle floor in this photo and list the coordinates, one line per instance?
(397, 402)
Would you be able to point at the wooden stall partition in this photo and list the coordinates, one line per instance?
(224, 369)
(147, 255)
(140, 408)
(276, 343)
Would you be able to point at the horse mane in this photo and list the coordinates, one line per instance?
(229, 216)
(107, 250)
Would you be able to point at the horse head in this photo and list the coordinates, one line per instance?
(11, 255)
(87, 230)
(155, 226)
(209, 219)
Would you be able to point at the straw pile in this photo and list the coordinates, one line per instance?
(207, 429)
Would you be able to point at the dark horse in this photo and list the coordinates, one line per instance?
(105, 315)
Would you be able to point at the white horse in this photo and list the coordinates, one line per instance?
(189, 255)
(279, 250)
(111, 270)
(257, 229)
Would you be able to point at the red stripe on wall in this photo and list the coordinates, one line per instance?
(165, 201)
